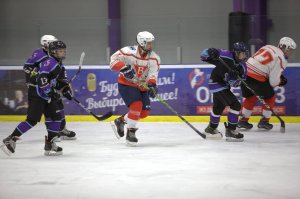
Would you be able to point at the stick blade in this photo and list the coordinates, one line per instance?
(282, 126)
(105, 116)
(81, 58)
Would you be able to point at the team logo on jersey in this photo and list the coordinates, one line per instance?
(34, 55)
(196, 77)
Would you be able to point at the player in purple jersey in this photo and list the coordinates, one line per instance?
(220, 82)
(31, 69)
(42, 99)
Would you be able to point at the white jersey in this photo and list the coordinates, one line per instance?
(267, 63)
(146, 67)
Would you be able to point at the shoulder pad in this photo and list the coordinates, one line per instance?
(49, 64)
(129, 50)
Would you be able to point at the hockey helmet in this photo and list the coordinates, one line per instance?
(287, 43)
(54, 47)
(238, 48)
(143, 38)
(46, 40)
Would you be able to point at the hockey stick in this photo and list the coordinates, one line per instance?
(79, 68)
(99, 118)
(282, 123)
(174, 111)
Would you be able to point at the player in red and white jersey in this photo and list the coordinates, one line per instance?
(264, 72)
(136, 64)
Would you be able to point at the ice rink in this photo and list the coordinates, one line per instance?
(171, 161)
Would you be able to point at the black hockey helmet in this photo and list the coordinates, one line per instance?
(54, 47)
(240, 47)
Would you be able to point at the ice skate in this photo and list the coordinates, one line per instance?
(118, 127)
(244, 124)
(264, 124)
(9, 145)
(233, 135)
(66, 134)
(51, 149)
(212, 133)
(131, 139)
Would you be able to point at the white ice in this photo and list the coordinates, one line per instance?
(170, 162)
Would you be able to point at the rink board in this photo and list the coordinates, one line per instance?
(183, 87)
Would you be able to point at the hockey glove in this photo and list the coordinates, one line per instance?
(128, 72)
(54, 96)
(67, 93)
(209, 54)
(152, 90)
(213, 53)
(283, 81)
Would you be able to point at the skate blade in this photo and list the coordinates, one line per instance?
(213, 137)
(5, 150)
(228, 139)
(113, 126)
(57, 139)
(68, 138)
(263, 129)
(52, 153)
(131, 144)
(243, 129)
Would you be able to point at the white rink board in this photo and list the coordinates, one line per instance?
(170, 161)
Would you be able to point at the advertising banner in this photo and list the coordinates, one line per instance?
(184, 87)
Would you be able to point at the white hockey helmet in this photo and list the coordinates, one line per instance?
(144, 37)
(47, 39)
(287, 43)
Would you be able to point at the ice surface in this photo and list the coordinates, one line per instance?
(170, 161)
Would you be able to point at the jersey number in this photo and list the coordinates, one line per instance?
(266, 56)
(44, 80)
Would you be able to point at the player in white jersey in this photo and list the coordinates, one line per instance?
(136, 64)
(264, 72)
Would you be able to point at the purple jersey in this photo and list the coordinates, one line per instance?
(218, 75)
(37, 57)
(50, 71)
(32, 64)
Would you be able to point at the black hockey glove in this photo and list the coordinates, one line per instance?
(128, 72)
(213, 53)
(152, 90)
(67, 93)
(283, 81)
(53, 95)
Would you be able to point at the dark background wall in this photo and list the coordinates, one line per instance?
(191, 25)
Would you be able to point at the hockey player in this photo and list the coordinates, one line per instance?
(31, 69)
(136, 64)
(264, 73)
(220, 81)
(42, 99)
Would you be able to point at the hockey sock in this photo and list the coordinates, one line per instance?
(144, 114)
(249, 103)
(233, 117)
(214, 120)
(53, 128)
(134, 113)
(23, 127)
(63, 121)
(266, 112)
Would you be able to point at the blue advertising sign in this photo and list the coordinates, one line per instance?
(184, 87)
